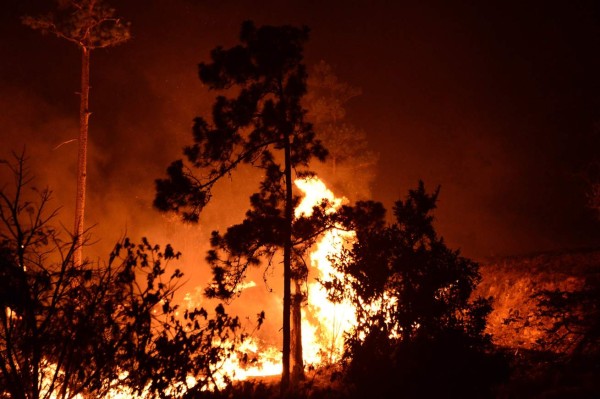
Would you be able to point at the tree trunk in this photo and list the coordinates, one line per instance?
(84, 115)
(297, 361)
(287, 264)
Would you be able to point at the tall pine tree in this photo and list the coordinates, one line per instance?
(90, 25)
(264, 126)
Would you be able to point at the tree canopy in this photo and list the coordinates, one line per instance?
(89, 24)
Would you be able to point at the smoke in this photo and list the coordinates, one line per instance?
(33, 127)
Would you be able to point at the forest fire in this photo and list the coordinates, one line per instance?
(323, 322)
(295, 292)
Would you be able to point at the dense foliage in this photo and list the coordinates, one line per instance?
(70, 328)
(416, 320)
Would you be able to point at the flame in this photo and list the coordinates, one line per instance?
(324, 322)
(315, 192)
(268, 362)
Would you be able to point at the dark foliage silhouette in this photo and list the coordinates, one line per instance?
(418, 333)
(565, 361)
(571, 319)
(69, 328)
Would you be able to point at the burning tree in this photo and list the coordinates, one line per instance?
(90, 25)
(415, 320)
(263, 126)
(70, 329)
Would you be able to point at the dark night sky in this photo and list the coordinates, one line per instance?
(497, 103)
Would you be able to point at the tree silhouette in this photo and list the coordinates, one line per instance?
(349, 168)
(69, 328)
(262, 126)
(415, 320)
(570, 319)
(90, 25)
(327, 95)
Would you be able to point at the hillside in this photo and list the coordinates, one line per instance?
(513, 281)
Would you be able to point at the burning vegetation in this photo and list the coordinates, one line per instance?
(373, 305)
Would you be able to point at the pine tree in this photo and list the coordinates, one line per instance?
(90, 25)
(262, 126)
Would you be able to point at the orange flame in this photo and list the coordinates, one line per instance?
(323, 322)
